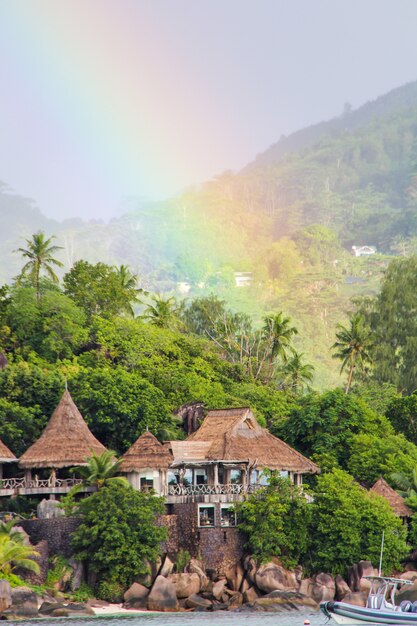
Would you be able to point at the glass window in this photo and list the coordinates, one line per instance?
(200, 477)
(173, 477)
(146, 483)
(228, 515)
(206, 515)
(264, 478)
(283, 474)
(253, 477)
(236, 477)
(188, 477)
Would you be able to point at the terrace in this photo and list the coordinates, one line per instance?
(10, 487)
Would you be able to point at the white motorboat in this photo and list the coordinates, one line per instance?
(380, 607)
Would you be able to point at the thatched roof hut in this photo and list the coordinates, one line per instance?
(146, 453)
(235, 435)
(6, 455)
(65, 442)
(393, 498)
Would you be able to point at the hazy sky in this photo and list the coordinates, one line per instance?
(106, 99)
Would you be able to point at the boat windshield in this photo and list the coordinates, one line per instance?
(383, 590)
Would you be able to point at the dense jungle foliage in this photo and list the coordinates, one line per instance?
(128, 373)
(321, 344)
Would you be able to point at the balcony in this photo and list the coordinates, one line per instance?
(197, 490)
(232, 492)
(22, 486)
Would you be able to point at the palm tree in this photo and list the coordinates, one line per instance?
(297, 373)
(128, 282)
(101, 469)
(163, 313)
(13, 554)
(7, 530)
(278, 334)
(353, 346)
(40, 252)
(407, 487)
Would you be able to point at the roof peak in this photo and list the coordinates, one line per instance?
(65, 441)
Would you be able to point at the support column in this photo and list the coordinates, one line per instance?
(28, 477)
(216, 474)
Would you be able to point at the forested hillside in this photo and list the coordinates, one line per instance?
(290, 219)
(130, 373)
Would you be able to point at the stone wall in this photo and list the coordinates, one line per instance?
(170, 546)
(219, 547)
(57, 532)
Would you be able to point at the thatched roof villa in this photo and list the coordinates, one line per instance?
(146, 463)
(235, 435)
(396, 502)
(6, 456)
(66, 441)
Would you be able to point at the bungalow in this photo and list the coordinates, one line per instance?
(396, 502)
(363, 250)
(66, 442)
(6, 456)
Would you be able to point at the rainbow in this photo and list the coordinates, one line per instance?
(84, 69)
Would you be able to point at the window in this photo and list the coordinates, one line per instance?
(227, 515)
(283, 474)
(206, 515)
(236, 477)
(200, 477)
(264, 478)
(147, 480)
(146, 483)
(188, 477)
(173, 477)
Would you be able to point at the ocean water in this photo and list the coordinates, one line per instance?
(218, 618)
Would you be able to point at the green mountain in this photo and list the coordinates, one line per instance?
(289, 219)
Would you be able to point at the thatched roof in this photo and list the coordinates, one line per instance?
(6, 455)
(146, 453)
(393, 498)
(235, 435)
(190, 451)
(65, 442)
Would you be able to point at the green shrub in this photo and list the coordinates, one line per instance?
(110, 591)
(83, 593)
(183, 558)
(15, 581)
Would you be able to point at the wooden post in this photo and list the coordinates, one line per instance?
(28, 477)
(216, 474)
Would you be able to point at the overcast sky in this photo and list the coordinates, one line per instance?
(102, 100)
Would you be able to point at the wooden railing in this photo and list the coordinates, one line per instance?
(199, 490)
(36, 483)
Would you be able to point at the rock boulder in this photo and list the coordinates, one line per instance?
(284, 601)
(342, 588)
(185, 584)
(273, 577)
(357, 598)
(163, 596)
(136, 597)
(24, 604)
(5, 595)
(197, 602)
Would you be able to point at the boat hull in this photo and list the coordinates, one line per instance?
(344, 613)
